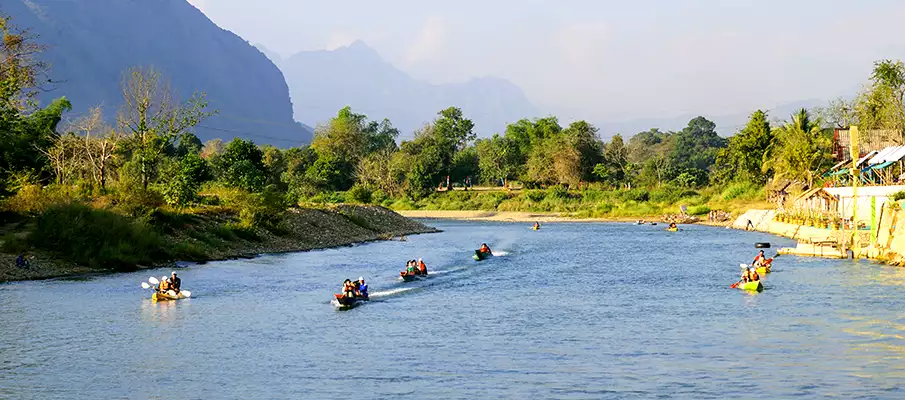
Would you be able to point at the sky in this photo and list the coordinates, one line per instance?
(602, 60)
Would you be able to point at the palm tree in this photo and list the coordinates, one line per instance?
(799, 150)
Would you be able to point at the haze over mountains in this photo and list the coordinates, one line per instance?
(322, 82)
(92, 43)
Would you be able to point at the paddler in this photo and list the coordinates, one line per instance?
(362, 287)
(484, 248)
(422, 268)
(410, 268)
(673, 225)
(759, 260)
(164, 285)
(176, 283)
(536, 226)
(348, 290)
(750, 275)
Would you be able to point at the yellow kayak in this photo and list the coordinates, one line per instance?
(763, 270)
(672, 229)
(755, 286)
(168, 295)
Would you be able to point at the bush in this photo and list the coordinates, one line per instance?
(742, 191)
(535, 195)
(558, 192)
(97, 238)
(698, 210)
(638, 195)
(900, 195)
(359, 194)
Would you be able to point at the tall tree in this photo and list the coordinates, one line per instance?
(800, 149)
(498, 158)
(152, 118)
(743, 158)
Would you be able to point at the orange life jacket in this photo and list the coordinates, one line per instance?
(422, 267)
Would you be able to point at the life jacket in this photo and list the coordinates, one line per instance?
(163, 287)
(422, 267)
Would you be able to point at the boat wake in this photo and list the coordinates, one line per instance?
(498, 253)
(385, 293)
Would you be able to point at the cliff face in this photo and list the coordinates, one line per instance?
(92, 43)
(357, 76)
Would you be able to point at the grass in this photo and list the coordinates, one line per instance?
(595, 202)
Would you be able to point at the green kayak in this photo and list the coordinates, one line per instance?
(755, 286)
(480, 256)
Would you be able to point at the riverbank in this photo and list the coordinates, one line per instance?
(210, 236)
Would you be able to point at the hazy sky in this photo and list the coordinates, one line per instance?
(597, 59)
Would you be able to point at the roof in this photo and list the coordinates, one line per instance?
(816, 192)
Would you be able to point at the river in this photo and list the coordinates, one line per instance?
(575, 310)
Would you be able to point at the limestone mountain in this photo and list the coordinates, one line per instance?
(92, 43)
(322, 82)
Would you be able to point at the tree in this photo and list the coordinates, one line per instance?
(882, 104)
(743, 158)
(21, 69)
(99, 141)
(152, 118)
(185, 180)
(581, 136)
(241, 165)
(800, 149)
(498, 158)
(695, 147)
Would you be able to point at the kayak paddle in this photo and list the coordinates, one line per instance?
(145, 285)
(153, 281)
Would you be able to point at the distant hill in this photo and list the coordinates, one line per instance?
(92, 43)
(322, 82)
(726, 125)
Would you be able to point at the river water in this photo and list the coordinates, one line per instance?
(570, 311)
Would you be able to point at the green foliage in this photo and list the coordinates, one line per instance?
(241, 165)
(898, 196)
(698, 210)
(742, 190)
(800, 150)
(97, 238)
(360, 194)
(743, 158)
(185, 180)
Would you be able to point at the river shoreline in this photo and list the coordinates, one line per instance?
(308, 229)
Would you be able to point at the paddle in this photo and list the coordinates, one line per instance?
(735, 285)
(145, 285)
(153, 281)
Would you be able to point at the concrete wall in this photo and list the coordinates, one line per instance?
(846, 199)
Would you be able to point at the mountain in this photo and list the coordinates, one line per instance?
(92, 43)
(357, 76)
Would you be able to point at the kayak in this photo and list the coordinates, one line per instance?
(480, 256)
(344, 303)
(763, 270)
(672, 229)
(410, 277)
(168, 295)
(755, 286)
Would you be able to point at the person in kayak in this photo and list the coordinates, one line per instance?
(536, 226)
(348, 289)
(410, 268)
(673, 225)
(362, 287)
(164, 285)
(422, 268)
(175, 282)
(484, 248)
(750, 275)
(760, 260)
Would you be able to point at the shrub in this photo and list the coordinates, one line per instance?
(535, 195)
(558, 192)
(359, 194)
(900, 195)
(97, 238)
(742, 191)
(698, 210)
(638, 195)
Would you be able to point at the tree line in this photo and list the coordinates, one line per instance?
(149, 153)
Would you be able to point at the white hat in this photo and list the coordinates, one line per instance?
(361, 278)
(173, 273)
(419, 260)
